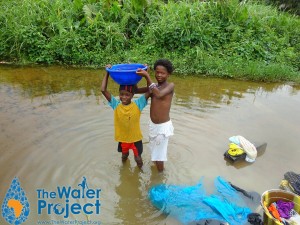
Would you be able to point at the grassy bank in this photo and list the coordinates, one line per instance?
(215, 38)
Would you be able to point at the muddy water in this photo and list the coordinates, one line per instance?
(57, 128)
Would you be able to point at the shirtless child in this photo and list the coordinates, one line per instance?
(160, 125)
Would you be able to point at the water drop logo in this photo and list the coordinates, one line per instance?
(15, 207)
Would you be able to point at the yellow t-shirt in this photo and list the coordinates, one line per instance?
(127, 119)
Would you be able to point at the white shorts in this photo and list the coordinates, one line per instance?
(158, 139)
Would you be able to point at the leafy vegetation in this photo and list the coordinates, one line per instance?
(226, 38)
(292, 6)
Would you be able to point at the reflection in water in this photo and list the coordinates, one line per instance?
(130, 205)
(209, 94)
(55, 128)
(133, 206)
(43, 81)
(191, 92)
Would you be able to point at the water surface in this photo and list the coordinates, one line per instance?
(56, 127)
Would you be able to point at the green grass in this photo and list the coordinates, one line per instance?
(213, 38)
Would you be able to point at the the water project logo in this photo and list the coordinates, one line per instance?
(65, 200)
(15, 207)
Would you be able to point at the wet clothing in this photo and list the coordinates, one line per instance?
(136, 147)
(293, 180)
(273, 210)
(284, 208)
(246, 145)
(158, 139)
(127, 119)
(255, 219)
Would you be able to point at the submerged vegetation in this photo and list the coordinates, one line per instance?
(225, 38)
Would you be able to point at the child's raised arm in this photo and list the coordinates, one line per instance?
(141, 72)
(141, 90)
(104, 91)
(145, 74)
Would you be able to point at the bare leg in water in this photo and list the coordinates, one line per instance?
(159, 165)
(139, 161)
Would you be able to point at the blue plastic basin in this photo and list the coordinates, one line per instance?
(125, 74)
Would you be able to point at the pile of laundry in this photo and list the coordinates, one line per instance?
(188, 204)
(291, 182)
(284, 212)
(240, 146)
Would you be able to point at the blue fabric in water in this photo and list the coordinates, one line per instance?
(190, 203)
